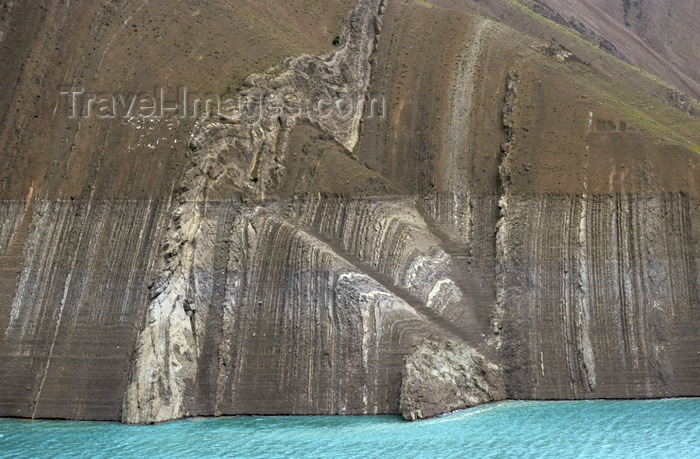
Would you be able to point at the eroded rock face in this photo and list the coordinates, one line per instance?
(593, 288)
(243, 156)
(502, 231)
(73, 285)
(443, 376)
(190, 356)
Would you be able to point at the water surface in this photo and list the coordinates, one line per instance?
(661, 428)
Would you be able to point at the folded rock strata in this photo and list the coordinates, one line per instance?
(176, 372)
(518, 224)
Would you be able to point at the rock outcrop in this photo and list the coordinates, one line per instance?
(231, 154)
(444, 211)
(445, 376)
(243, 153)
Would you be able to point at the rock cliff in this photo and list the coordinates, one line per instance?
(492, 209)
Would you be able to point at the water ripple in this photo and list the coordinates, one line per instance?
(661, 428)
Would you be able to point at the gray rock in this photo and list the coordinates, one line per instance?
(443, 376)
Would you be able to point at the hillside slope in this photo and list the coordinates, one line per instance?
(655, 36)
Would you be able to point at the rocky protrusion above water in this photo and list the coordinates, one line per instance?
(442, 376)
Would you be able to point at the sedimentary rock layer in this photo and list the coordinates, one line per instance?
(599, 296)
(72, 303)
(519, 218)
(237, 148)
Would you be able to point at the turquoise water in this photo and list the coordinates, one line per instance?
(661, 428)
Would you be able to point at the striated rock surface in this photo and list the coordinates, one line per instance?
(72, 304)
(490, 212)
(599, 296)
(243, 156)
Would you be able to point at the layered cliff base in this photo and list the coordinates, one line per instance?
(76, 273)
(520, 220)
(598, 296)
